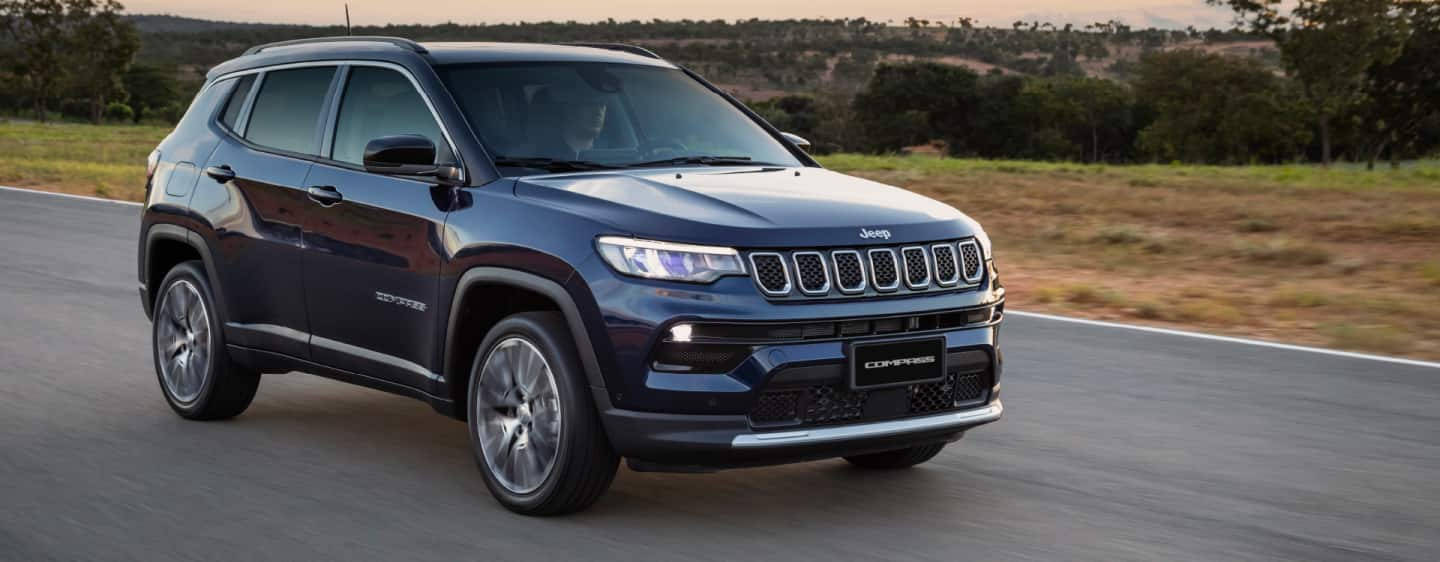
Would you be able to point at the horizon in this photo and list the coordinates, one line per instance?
(987, 13)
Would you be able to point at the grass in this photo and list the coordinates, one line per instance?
(105, 161)
(1342, 257)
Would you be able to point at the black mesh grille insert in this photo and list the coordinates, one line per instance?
(970, 253)
(933, 397)
(945, 271)
(775, 407)
(770, 273)
(882, 269)
(849, 275)
(830, 404)
(917, 274)
(810, 269)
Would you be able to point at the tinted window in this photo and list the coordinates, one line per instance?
(381, 102)
(287, 110)
(610, 114)
(237, 101)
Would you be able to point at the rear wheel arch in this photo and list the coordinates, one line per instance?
(168, 245)
(486, 295)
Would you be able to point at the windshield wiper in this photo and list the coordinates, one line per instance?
(552, 164)
(702, 160)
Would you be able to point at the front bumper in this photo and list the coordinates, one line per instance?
(701, 442)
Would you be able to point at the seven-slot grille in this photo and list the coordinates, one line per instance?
(870, 271)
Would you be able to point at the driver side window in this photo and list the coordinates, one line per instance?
(380, 102)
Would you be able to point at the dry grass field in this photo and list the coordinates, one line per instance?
(1342, 258)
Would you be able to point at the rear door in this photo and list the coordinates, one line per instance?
(256, 201)
(373, 252)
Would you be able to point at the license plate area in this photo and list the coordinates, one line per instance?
(896, 362)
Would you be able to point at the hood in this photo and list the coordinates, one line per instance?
(749, 207)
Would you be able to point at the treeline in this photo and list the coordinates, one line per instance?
(73, 58)
(1354, 78)
(1343, 92)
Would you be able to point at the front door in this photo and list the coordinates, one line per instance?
(373, 245)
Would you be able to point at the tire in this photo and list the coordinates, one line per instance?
(196, 375)
(511, 428)
(899, 458)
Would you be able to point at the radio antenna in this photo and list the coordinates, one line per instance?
(347, 20)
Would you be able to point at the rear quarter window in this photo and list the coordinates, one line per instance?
(237, 101)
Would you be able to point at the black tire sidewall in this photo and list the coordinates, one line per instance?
(544, 332)
(192, 272)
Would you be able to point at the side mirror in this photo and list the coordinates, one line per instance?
(404, 155)
(797, 140)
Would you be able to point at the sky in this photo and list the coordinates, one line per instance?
(1163, 13)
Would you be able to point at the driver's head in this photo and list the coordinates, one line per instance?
(579, 110)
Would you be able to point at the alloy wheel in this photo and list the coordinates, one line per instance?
(518, 416)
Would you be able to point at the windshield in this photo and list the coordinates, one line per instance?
(568, 116)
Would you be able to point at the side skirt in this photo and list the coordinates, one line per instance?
(270, 362)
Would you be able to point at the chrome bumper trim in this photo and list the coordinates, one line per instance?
(957, 420)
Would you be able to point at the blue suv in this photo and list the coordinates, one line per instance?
(583, 251)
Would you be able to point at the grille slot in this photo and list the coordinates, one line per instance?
(884, 270)
(917, 267)
(770, 273)
(972, 267)
(811, 273)
(849, 271)
(946, 271)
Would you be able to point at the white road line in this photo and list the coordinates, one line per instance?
(69, 196)
(1227, 339)
(1097, 323)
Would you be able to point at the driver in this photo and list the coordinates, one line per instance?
(573, 118)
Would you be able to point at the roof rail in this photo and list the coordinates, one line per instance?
(622, 47)
(396, 41)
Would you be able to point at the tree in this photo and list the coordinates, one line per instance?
(1092, 113)
(36, 29)
(1403, 95)
(1328, 46)
(909, 104)
(82, 44)
(1218, 109)
(150, 88)
(100, 47)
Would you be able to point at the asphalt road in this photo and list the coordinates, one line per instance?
(1116, 445)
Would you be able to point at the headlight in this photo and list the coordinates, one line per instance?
(665, 260)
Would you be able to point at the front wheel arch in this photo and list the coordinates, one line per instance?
(539, 290)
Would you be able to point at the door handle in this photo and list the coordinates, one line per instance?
(221, 173)
(325, 195)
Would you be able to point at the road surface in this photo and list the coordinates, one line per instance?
(1116, 445)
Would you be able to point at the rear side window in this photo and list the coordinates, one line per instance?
(287, 109)
(380, 102)
(237, 101)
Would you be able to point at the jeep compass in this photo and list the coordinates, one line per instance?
(585, 252)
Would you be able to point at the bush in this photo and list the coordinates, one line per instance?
(119, 112)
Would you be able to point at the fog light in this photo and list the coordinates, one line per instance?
(680, 333)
